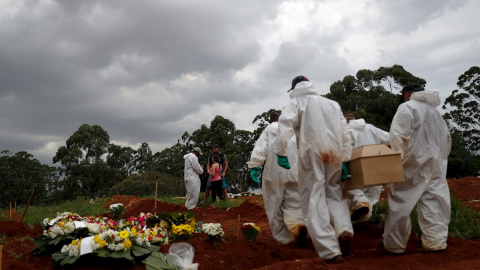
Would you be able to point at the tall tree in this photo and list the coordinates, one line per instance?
(121, 159)
(20, 173)
(463, 104)
(143, 158)
(83, 161)
(365, 94)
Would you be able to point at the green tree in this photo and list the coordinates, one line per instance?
(461, 162)
(463, 116)
(19, 175)
(143, 158)
(84, 162)
(121, 159)
(463, 120)
(365, 94)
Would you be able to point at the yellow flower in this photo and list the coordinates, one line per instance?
(74, 242)
(193, 223)
(134, 231)
(96, 238)
(102, 243)
(60, 224)
(164, 224)
(123, 234)
(127, 244)
(256, 228)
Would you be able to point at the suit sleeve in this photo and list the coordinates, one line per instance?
(286, 123)
(260, 151)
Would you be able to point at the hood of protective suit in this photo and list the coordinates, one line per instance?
(302, 88)
(428, 96)
(357, 124)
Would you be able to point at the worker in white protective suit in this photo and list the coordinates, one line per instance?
(279, 186)
(361, 201)
(191, 177)
(323, 144)
(419, 132)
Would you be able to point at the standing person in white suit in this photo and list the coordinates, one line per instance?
(419, 132)
(279, 186)
(361, 201)
(191, 176)
(323, 144)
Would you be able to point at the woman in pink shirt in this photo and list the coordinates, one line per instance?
(215, 178)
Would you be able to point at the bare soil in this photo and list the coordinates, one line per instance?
(235, 253)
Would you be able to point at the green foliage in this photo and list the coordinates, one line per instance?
(159, 261)
(464, 222)
(461, 162)
(464, 109)
(143, 185)
(221, 204)
(36, 214)
(86, 172)
(463, 120)
(365, 96)
(20, 174)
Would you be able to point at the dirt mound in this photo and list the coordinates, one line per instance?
(235, 253)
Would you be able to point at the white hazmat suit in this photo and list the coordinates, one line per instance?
(323, 144)
(362, 134)
(420, 133)
(192, 179)
(279, 186)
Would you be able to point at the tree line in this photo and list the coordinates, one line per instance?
(90, 166)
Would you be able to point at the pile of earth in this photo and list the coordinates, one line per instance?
(235, 253)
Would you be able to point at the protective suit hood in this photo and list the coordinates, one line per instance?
(357, 124)
(428, 96)
(303, 88)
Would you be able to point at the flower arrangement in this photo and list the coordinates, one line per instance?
(182, 232)
(130, 239)
(213, 230)
(117, 210)
(250, 231)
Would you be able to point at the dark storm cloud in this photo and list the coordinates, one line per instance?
(147, 71)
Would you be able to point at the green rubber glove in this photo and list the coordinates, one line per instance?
(254, 174)
(345, 172)
(283, 162)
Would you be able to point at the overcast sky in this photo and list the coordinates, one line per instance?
(149, 70)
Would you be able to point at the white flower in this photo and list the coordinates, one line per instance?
(116, 205)
(111, 246)
(93, 227)
(119, 247)
(213, 229)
